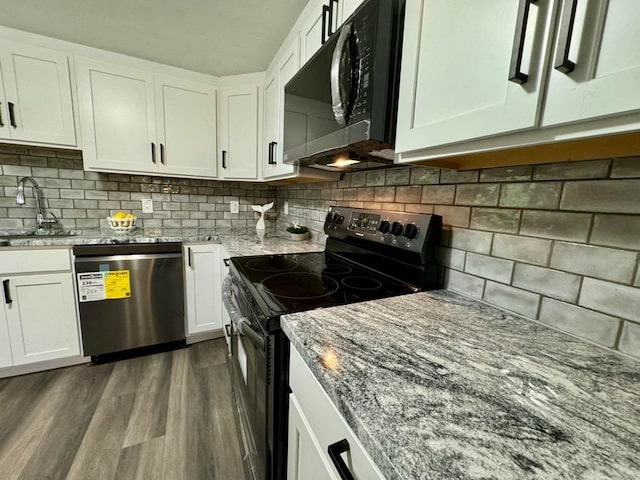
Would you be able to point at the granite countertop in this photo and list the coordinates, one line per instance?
(238, 242)
(439, 386)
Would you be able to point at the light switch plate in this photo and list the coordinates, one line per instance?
(147, 205)
(286, 207)
(234, 206)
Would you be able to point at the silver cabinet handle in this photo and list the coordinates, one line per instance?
(516, 75)
(561, 61)
(337, 100)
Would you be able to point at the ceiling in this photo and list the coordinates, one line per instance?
(219, 37)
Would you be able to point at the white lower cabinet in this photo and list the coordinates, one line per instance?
(38, 319)
(203, 287)
(315, 424)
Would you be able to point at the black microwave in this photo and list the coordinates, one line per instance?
(340, 108)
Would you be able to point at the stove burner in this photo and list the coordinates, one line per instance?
(272, 264)
(335, 269)
(361, 283)
(299, 285)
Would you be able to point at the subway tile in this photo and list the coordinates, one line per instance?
(384, 194)
(375, 178)
(513, 299)
(61, 163)
(95, 195)
(637, 282)
(597, 327)
(572, 170)
(73, 154)
(616, 231)
(61, 203)
(75, 174)
(83, 184)
(64, 193)
(85, 204)
(44, 172)
(470, 240)
(365, 194)
(489, 267)
(615, 196)
(74, 213)
(109, 204)
(454, 176)
(58, 183)
(556, 225)
(100, 213)
(523, 249)
(409, 194)
(477, 194)
(438, 194)
(119, 195)
(33, 162)
(424, 175)
(8, 160)
(87, 222)
(495, 219)
(551, 283)
(604, 263)
(464, 283)
(393, 207)
(544, 195)
(397, 176)
(11, 223)
(16, 170)
(451, 258)
(611, 298)
(630, 339)
(626, 168)
(418, 208)
(359, 179)
(507, 174)
(454, 216)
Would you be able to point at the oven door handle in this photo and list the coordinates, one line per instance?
(244, 327)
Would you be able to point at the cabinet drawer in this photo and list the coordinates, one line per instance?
(326, 422)
(36, 260)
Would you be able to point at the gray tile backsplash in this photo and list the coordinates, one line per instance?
(84, 199)
(558, 243)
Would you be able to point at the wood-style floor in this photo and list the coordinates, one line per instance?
(167, 416)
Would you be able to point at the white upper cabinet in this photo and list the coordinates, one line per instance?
(135, 121)
(186, 123)
(471, 69)
(347, 7)
(35, 95)
(596, 61)
(117, 115)
(317, 27)
(239, 131)
(283, 70)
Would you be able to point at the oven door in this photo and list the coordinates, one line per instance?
(249, 368)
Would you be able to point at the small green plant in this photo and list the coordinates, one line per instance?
(295, 228)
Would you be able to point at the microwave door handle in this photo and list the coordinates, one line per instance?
(337, 103)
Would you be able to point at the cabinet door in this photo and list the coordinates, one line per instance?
(455, 82)
(42, 318)
(203, 288)
(6, 359)
(604, 52)
(37, 85)
(239, 132)
(305, 459)
(4, 111)
(271, 122)
(311, 34)
(347, 7)
(186, 127)
(117, 115)
(285, 70)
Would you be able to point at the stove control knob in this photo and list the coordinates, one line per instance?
(410, 231)
(384, 226)
(396, 229)
(329, 218)
(337, 218)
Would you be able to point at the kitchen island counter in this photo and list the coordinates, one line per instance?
(440, 386)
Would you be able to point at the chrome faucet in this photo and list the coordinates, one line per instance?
(40, 218)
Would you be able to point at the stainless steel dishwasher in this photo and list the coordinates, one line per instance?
(129, 295)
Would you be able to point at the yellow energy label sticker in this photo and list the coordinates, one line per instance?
(111, 285)
(117, 284)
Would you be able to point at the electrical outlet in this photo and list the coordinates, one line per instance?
(234, 206)
(147, 205)
(286, 207)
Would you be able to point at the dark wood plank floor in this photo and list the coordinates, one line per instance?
(167, 416)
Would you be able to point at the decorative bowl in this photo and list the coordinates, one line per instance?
(122, 225)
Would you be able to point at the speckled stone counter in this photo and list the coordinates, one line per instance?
(238, 242)
(438, 386)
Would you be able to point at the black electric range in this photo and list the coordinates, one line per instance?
(368, 255)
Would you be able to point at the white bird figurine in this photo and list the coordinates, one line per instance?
(261, 209)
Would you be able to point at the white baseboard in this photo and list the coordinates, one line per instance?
(40, 366)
